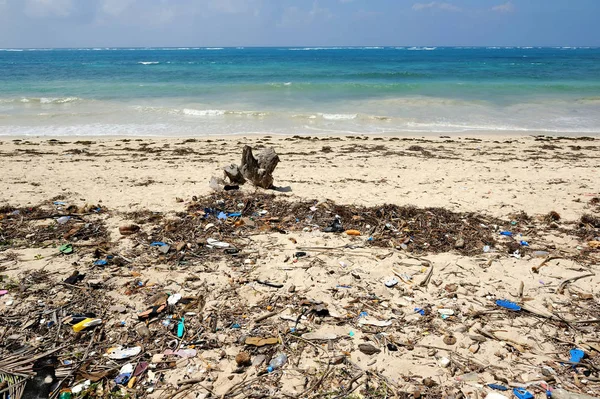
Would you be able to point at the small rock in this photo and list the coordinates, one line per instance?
(180, 246)
(460, 243)
(292, 289)
(368, 349)
(429, 383)
(474, 348)
(243, 359)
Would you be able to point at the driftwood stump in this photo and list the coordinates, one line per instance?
(258, 171)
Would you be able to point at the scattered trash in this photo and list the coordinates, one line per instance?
(522, 393)
(334, 227)
(120, 353)
(86, 324)
(216, 243)
(508, 305)
(207, 286)
(576, 356)
(391, 283)
(277, 362)
(498, 387)
(66, 249)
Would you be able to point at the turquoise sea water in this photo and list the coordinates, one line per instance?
(394, 90)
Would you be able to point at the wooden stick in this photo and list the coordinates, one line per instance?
(563, 285)
(536, 269)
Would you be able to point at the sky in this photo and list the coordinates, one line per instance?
(178, 23)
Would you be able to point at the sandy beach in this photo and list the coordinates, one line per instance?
(496, 175)
(437, 331)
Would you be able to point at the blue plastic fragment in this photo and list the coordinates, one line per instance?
(524, 243)
(498, 387)
(576, 355)
(522, 393)
(122, 379)
(420, 311)
(234, 214)
(158, 244)
(343, 286)
(506, 233)
(503, 303)
(236, 326)
(180, 328)
(222, 216)
(59, 203)
(100, 262)
(363, 314)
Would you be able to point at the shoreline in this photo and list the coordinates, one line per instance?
(403, 135)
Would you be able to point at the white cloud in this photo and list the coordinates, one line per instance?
(45, 8)
(506, 7)
(435, 5)
(295, 16)
(116, 7)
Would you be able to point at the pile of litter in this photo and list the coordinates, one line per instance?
(259, 296)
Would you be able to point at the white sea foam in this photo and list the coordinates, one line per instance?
(214, 48)
(63, 100)
(42, 100)
(339, 117)
(148, 62)
(203, 112)
(422, 48)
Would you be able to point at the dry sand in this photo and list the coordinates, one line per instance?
(495, 176)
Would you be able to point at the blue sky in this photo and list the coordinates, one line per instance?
(124, 23)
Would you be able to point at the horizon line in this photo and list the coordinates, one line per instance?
(307, 46)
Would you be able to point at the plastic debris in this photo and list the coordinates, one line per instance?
(120, 353)
(503, 303)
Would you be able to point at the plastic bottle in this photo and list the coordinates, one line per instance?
(63, 219)
(277, 362)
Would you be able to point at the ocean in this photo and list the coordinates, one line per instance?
(299, 90)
